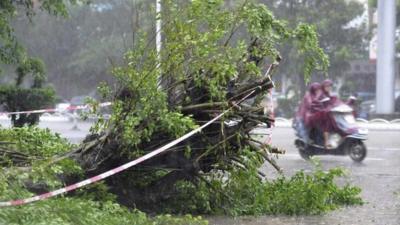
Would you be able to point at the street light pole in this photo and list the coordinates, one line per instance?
(386, 57)
(158, 41)
(158, 27)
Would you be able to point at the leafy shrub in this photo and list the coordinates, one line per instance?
(75, 211)
(22, 99)
(35, 141)
(242, 192)
(37, 161)
(91, 205)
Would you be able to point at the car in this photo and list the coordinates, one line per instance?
(397, 104)
(78, 100)
(62, 107)
(366, 96)
(366, 108)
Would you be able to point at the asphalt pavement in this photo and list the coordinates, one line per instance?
(378, 176)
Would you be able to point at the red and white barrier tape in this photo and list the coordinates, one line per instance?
(117, 169)
(104, 104)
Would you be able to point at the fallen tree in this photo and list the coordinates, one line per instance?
(213, 58)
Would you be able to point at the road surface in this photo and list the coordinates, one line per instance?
(378, 176)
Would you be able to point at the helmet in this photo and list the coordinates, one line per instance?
(314, 87)
(327, 83)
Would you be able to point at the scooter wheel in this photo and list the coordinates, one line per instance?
(303, 152)
(357, 151)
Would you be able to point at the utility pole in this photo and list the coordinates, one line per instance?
(386, 57)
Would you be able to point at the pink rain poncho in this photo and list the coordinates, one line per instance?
(324, 120)
(310, 104)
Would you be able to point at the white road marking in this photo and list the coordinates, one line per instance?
(297, 156)
(382, 149)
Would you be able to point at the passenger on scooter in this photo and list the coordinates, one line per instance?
(327, 87)
(307, 106)
(326, 124)
(327, 98)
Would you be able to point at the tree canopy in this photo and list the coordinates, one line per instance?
(332, 20)
(26, 91)
(95, 36)
(11, 52)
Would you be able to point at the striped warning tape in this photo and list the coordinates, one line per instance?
(119, 168)
(104, 104)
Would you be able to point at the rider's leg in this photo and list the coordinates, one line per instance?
(327, 145)
(304, 133)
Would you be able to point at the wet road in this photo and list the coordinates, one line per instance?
(378, 176)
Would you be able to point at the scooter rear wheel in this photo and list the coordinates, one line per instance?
(304, 154)
(357, 151)
(303, 151)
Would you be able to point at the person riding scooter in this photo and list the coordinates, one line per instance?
(313, 113)
(324, 122)
(328, 101)
(304, 113)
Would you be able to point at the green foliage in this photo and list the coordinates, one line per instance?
(33, 67)
(16, 98)
(338, 37)
(11, 52)
(307, 40)
(91, 40)
(92, 205)
(75, 211)
(200, 46)
(243, 192)
(84, 46)
(39, 148)
(35, 141)
(239, 192)
(21, 99)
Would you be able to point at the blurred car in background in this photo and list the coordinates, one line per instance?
(397, 101)
(365, 96)
(62, 107)
(368, 104)
(78, 100)
(366, 109)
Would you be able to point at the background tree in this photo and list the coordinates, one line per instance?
(85, 46)
(341, 40)
(20, 97)
(28, 92)
(94, 38)
(10, 49)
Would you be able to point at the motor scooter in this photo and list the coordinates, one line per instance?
(347, 140)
